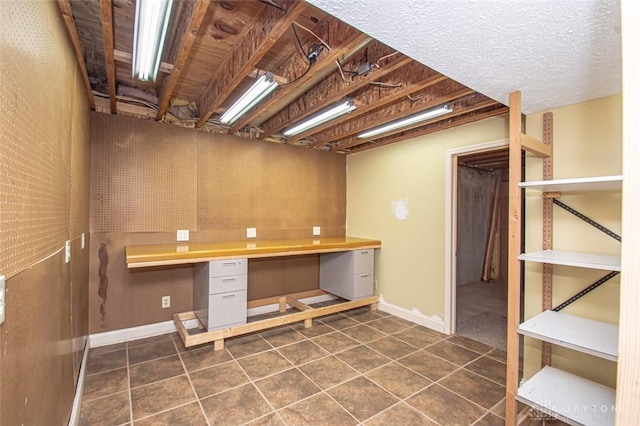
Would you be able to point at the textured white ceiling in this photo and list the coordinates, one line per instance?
(556, 52)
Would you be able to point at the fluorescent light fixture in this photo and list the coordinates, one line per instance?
(407, 121)
(260, 88)
(151, 22)
(345, 106)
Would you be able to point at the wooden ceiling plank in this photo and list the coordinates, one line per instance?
(389, 112)
(344, 41)
(194, 14)
(446, 125)
(72, 32)
(259, 39)
(330, 90)
(364, 109)
(106, 12)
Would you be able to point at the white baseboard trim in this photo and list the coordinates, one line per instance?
(165, 327)
(436, 324)
(132, 333)
(74, 418)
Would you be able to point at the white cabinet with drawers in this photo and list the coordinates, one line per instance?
(348, 274)
(220, 293)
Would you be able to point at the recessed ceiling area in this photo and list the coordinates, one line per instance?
(216, 50)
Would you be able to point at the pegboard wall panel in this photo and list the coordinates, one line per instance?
(80, 161)
(143, 176)
(37, 84)
(244, 184)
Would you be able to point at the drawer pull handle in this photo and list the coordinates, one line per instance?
(228, 280)
(229, 263)
(365, 275)
(364, 252)
(229, 296)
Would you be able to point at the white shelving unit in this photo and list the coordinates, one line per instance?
(586, 184)
(557, 393)
(574, 258)
(570, 398)
(592, 337)
(562, 395)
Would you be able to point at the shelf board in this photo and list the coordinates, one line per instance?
(574, 258)
(592, 337)
(601, 183)
(569, 398)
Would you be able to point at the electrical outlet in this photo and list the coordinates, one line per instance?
(166, 302)
(67, 251)
(251, 232)
(2, 299)
(182, 235)
(316, 231)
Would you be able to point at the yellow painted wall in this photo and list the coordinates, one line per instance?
(587, 141)
(410, 266)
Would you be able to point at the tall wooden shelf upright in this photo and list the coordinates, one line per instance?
(551, 390)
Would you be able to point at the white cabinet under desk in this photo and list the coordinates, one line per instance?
(347, 274)
(220, 293)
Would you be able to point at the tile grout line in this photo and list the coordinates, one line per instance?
(193, 388)
(126, 348)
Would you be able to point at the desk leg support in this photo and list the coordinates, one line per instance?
(218, 345)
(374, 307)
(308, 323)
(283, 304)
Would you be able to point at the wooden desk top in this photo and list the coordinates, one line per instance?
(186, 252)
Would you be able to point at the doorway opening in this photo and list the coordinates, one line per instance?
(481, 222)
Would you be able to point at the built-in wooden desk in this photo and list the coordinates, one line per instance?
(202, 253)
(185, 253)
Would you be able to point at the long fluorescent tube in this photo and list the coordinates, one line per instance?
(336, 110)
(407, 121)
(151, 22)
(260, 88)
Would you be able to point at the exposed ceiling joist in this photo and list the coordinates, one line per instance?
(335, 87)
(70, 25)
(106, 12)
(344, 42)
(191, 19)
(258, 41)
(385, 105)
(435, 127)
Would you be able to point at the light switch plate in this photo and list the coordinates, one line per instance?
(251, 232)
(2, 298)
(316, 231)
(182, 235)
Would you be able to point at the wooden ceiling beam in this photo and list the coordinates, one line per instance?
(335, 87)
(459, 108)
(106, 13)
(344, 41)
(258, 41)
(444, 91)
(126, 58)
(187, 30)
(439, 126)
(72, 32)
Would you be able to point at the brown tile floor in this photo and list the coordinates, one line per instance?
(355, 368)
